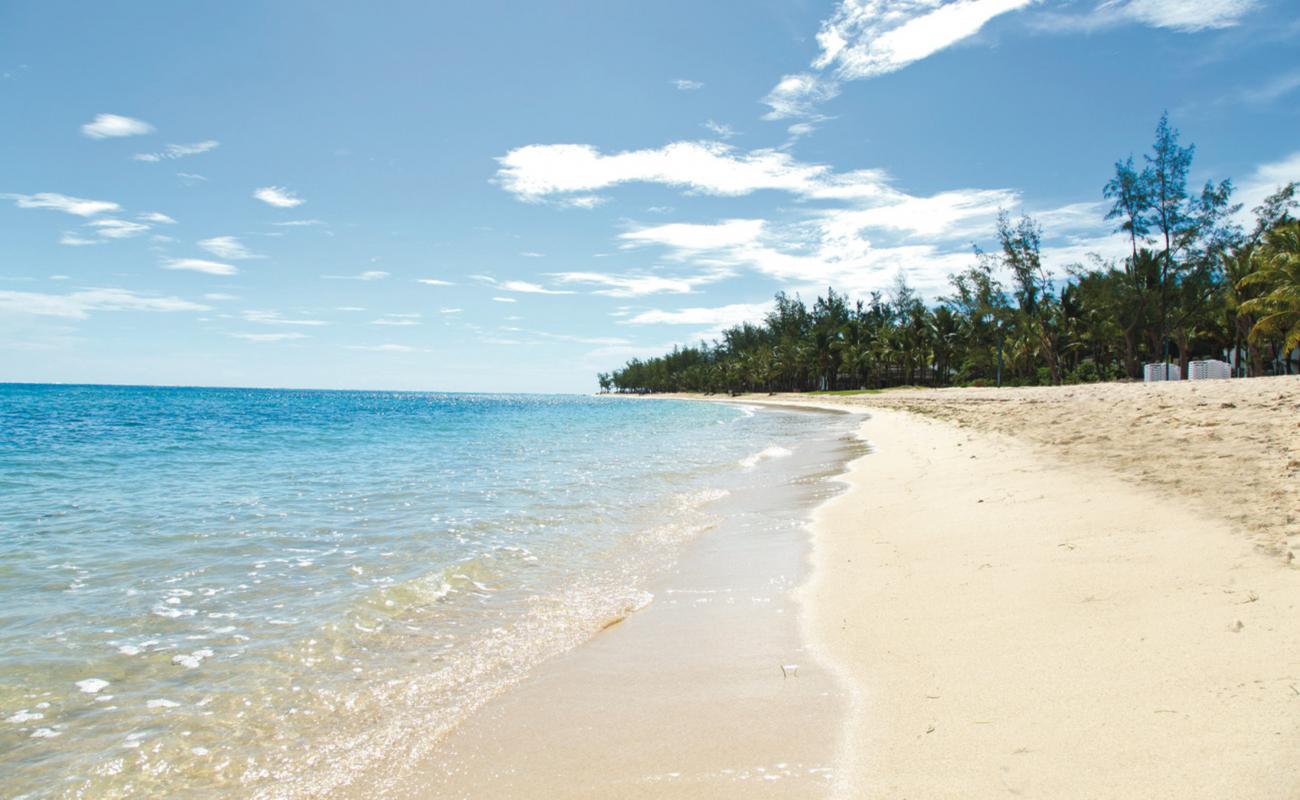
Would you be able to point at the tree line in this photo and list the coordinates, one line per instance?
(1194, 284)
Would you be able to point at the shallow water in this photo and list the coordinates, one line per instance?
(277, 593)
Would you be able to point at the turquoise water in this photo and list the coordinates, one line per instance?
(277, 593)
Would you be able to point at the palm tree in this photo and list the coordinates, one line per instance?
(1278, 272)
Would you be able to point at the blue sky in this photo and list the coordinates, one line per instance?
(506, 196)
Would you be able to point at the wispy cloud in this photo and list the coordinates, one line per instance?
(79, 305)
(106, 126)
(278, 196)
(117, 228)
(200, 265)
(269, 337)
(174, 151)
(79, 206)
(525, 287)
(74, 239)
(1273, 89)
(1184, 16)
(274, 318)
(637, 285)
(384, 348)
(719, 129)
(687, 85)
(1188, 16)
(156, 217)
(368, 275)
(867, 38)
(504, 300)
(434, 282)
(798, 95)
(398, 320)
(227, 247)
(608, 341)
(298, 223)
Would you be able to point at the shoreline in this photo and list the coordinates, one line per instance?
(688, 696)
(1043, 625)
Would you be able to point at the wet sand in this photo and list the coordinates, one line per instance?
(687, 697)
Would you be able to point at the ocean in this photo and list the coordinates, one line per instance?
(277, 593)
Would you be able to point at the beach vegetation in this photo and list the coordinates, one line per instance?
(1193, 285)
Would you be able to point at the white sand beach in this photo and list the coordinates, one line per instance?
(1030, 594)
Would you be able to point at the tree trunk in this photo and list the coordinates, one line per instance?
(1130, 352)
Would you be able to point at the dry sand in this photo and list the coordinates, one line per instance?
(1075, 592)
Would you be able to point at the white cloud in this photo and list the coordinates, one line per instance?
(219, 296)
(299, 223)
(534, 172)
(434, 282)
(504, 300)
(384, 348)
(693, 236)
(856, 232)
(60, 202)
(190, 178)
(274, 318)
(278, 196)
(719, 316)
(174, 151)
(528, 288)
(532, 254)
(268, 337)
(638, 285)
(686, 85)
(450, 310)
(79, 305)
(118, 228)
(200, 265)
(798, 95)
(396, 320)
(866, 38)
(227, 247)
(157, 218)
(106, 126)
